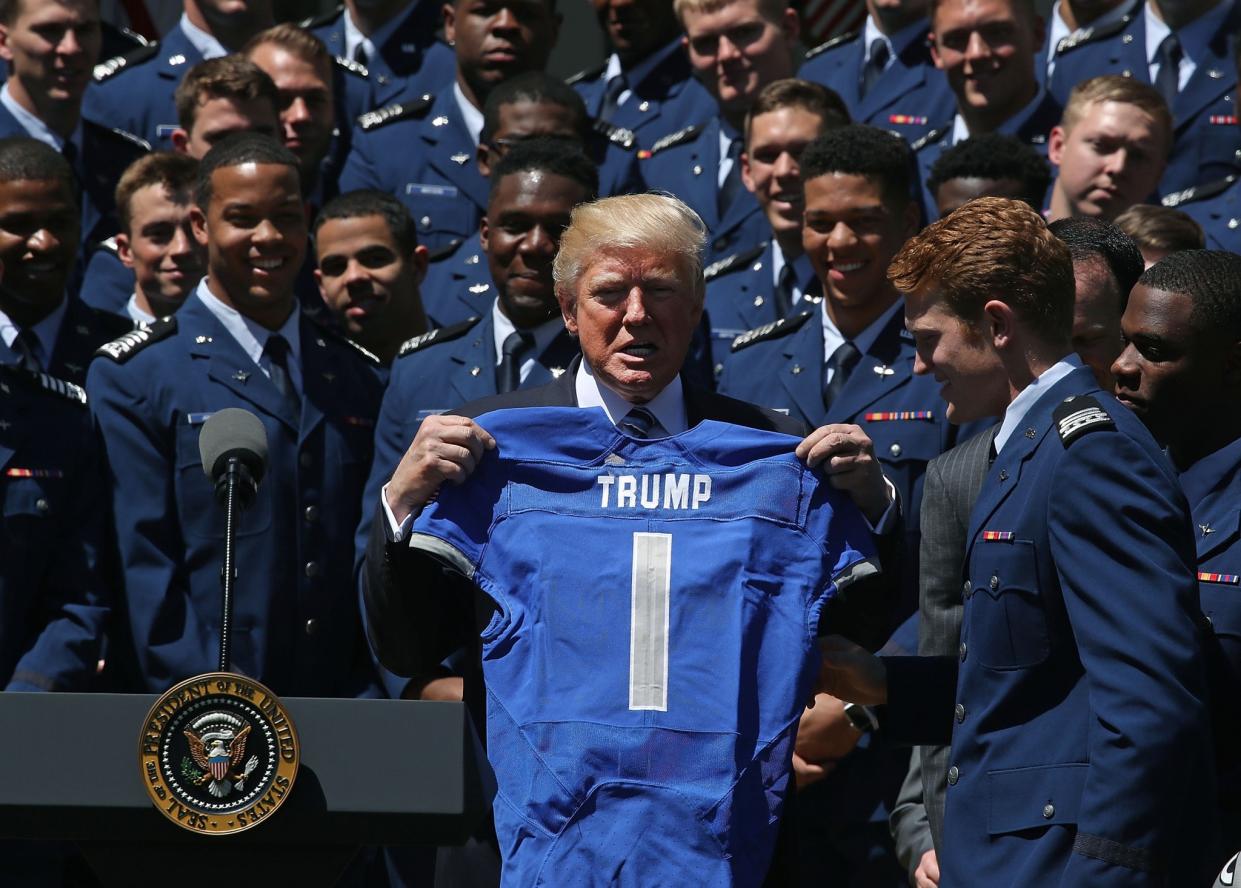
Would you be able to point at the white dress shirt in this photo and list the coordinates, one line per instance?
(1025, 399)
(834, 339)
(1195, 39)
(543, 336)
(202, 41)
(36, 128)
(777, 265)
(252, 337)
(472, 116)
(138, 315)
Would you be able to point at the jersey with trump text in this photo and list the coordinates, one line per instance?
(657, 604)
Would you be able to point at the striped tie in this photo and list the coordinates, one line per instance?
(637, 423)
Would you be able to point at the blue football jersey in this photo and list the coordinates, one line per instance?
(657, 603)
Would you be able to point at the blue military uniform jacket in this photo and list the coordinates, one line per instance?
(1032, 125)
(459, 299)
(412, 63)
(908, 98)
(134, 92)
(1087, 33)
(82, 330)
(665, 95)
(450, 270)
(53, 599)
(1206, 135)
(739, 296)
(1216, 206)
(686, 164)
(1080, 748)
(107, 284)
(296, 624)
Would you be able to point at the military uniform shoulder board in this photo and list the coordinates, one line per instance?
(125, 347)
(774, 330)
(931, 137)
(122, 136)
(443, 252)
(108, 246)
(1199, 192)
(1078, 416)
(62, 387)
(349, 66)
(323, 18)
(733, 262)
(680, 137)
(116, 64)
(439, 334)
(1083, 36)
(396, 111)
(616, 134)
(588, 74)
(829, 44)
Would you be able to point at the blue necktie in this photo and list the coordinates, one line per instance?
(841, 363)
(637, 423)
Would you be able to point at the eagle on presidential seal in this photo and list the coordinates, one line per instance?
(219, 753)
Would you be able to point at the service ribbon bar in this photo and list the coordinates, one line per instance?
(34, 473)
(907, 119)
(899, 415)
(1004, 535)
(1226, 579)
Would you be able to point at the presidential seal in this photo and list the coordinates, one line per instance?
(218, 753)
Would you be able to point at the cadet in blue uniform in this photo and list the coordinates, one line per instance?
(240, 341)
(1215, 206)
(1199, 82)
(134, 91)
(1077, 702)
(988, 165)
(701, 164)
(1008, 100)
(767, 282)
(1069, 23)
(885, 73)
(423, 150)
(645, 85)
(43, 326)
(53, 598)
(395, 48)
(1182, 328)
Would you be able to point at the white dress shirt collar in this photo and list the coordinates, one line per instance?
(205, 43)
(834, 339)
(668, 406)
(136, 313)
(1027, 397)
(251, 336)
(34, 127)
(777, 265)
(373, 43)
(472, 116)
(871, 33)
(543, 334)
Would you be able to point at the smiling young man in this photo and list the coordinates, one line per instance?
(241, 341)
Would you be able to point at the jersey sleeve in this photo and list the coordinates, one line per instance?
(456, 526)
(847, 549)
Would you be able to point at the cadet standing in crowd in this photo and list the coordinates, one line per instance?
(990, 165)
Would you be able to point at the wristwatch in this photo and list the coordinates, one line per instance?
(861, 717)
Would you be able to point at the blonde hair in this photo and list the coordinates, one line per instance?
(654, 222)
(1124, 91)
(772, 10)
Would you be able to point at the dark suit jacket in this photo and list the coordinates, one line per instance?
(953, 480)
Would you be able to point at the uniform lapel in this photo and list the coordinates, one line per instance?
(1214, 76)
(886, 365)
(12, 429)
(320, 379)
(802, 371)
(1213, 487)
(702, 186)
(896, 83)
(451, 148)
(554, 360)
(473, 374)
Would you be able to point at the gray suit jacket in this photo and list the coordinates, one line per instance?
(953, 480)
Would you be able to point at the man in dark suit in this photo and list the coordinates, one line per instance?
(629, 282)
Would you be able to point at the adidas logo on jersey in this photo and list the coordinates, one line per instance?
(679, 492)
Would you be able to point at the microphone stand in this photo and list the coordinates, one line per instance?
(236, 486)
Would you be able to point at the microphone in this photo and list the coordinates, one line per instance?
(233, 447)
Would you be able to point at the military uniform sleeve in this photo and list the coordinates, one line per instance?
(359, 170)
(1122, 547)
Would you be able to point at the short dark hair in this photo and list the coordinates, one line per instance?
(861, 150)
(176, 172)
(24, 158)
(536, 87)
(994, 156)
(803, 94)
(1089, 238)
(1211, 278)
(554, 156)
(234, 150)
(369, 202)
(1161, 228)
(227, 77)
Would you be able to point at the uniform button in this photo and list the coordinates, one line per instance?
(994, 582)
(312, 626)
(964, 650)
(312, 514)
(306, 459)
(43, 506)
(953, 774)
(969, 587)
(895, 450)
(425, 221)
(1049, 811)
(312, 569)
(960, 712)
(1210, 622)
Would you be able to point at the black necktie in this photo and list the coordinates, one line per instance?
(732, 182)
(841, 364)
(512, 352)
(784, 291)
(875, 65)
(611, 96)
(360, 55)
(27, 347)
(277, 353)
(991, 454)
(1168, 77)
(637, 423)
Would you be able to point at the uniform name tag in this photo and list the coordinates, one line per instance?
(198, 418)
(164, 130)
(430, 190)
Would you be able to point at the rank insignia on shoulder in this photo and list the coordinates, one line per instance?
(680, 137)
(907, 119)
(108, 245)
(587, 74)
(732, 262)
(617, 135)
(396, 111)
(116, 64)
(1000, 535)
(1225, 579)
(1199, 192)
(830, 44)
(931, 137)
(439, 334)
(1079, 416)
(774, 330)
(125, 347)
(352, 67)
(64, 388)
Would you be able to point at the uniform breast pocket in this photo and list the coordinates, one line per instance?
(1006, 619)
(28, 507)
(201, 515)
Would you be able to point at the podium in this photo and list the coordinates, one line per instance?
(373, 772)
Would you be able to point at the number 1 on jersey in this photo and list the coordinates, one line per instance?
(648, 621)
